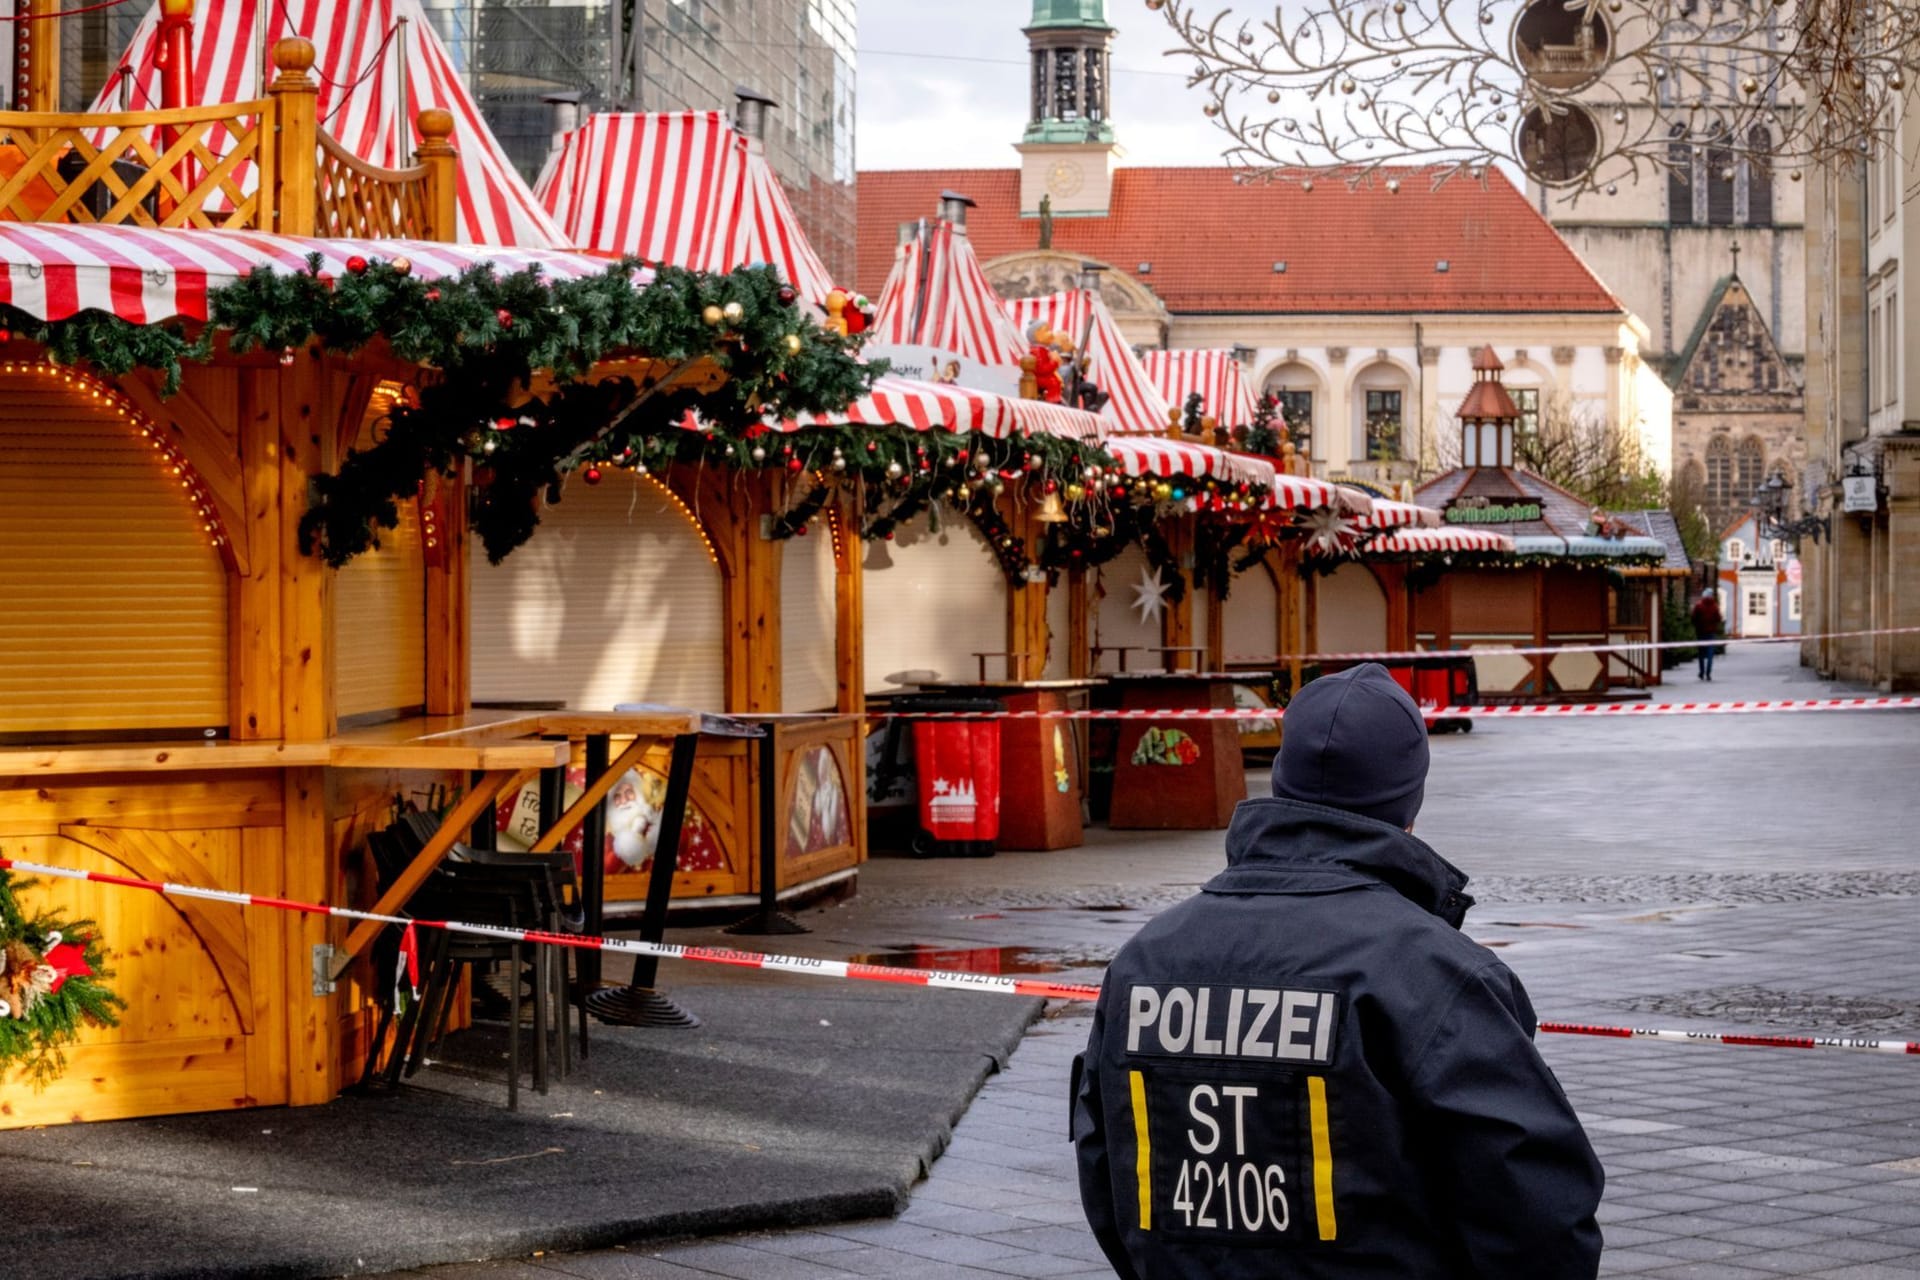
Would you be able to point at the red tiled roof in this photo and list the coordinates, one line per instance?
(1486, 401)
(1213, 242)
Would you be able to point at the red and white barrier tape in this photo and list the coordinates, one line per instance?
(1744, 1041)
(943, 978)
(1611, 646)
(1549, 711)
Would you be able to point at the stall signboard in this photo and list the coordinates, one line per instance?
(1483, 511)
(932, 364)
(1860, 494)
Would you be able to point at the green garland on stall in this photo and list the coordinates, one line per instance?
(36, 952)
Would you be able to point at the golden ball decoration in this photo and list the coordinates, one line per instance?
(793, 344)
(713, 315)
(1075, 492)
(734, 312)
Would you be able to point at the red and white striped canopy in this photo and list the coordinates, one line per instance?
(1387, 514)
(360, 83)
(928, 406)
(1217, 375)
(1135, 404)
(1152, 456)
(1423, 541)
(52, 270)
(937, 296)
(680, 187)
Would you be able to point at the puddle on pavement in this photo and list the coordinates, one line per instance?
(1004, 912)
(1535, 924)
(1013, 960)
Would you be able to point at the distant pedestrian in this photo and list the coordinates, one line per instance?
(1306, 1070)
(1708, 626)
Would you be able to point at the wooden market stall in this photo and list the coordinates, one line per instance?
(1562, 583)
(205, 684)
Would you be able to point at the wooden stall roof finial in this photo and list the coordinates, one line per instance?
(436, 128)
(293, 56)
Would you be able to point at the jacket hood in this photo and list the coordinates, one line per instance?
(1291, 846)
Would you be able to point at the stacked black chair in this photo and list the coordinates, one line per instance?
(507, 891)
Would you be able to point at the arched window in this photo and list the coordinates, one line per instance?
(1759, 176)
(1720, 477)
(1749, 469)
(1720, 175)
(1679, 177)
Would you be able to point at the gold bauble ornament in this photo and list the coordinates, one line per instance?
(734, 312)
(1076, 492)
(794, 344)
(713, 315)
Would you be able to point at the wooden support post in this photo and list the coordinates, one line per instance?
(296, 198)
(1027, 639)
(1539, 631)
(307, 433)
(1176, 622)
(751, 595)
(1216, 640)
(253, 627)
(443, 174)
(449, 624)
(849, 590)
(37, 57)
(313, 1060)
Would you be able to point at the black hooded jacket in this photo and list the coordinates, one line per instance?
(1307, 1071)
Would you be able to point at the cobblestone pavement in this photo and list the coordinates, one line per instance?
(1726, 873)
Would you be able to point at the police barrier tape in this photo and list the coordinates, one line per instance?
(1610, 646)
(1605, 710)
(849, 969)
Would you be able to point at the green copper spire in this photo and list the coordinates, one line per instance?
(1055, 14)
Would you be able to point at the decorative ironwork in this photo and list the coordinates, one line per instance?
(1583, 94)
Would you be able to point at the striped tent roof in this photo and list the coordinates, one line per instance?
(926, 406)
(1217, 375)
(937, 296)
(681, 187)
(1154, 456)
(1423, 541)
(1136, 404)
(1384, 513)
(359, 92)
(146, 275)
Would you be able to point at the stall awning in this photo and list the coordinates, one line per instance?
(937, 296)
(1150, 456)
(1135, 403)
(928, 406)
(1548, 544)
(53, 270)
(360, 81)
(1384, 513)
(680, 187)
(1411, 541)
(1217, 375)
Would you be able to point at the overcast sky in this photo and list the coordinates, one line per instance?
(943, 83)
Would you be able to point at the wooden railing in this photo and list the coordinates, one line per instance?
(191, 167)
(264, 165)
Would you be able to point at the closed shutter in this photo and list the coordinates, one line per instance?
(1116, 622)
(614, 599)
(1352, 610)
(942, 600)
(115, 601)
(807, 672)
(380, 623)
(1059, 659)
(1253, 617)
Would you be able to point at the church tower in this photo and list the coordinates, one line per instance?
(1068, 152)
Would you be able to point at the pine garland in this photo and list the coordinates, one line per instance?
(33, 1038)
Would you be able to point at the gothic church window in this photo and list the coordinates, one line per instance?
(1720, 175)
(1749, 469)
(1720, 476)
(1759, 177)
(1679, 178)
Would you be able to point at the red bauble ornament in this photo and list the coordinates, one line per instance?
(794, 464)
(787, 295)
(357, 264)
(326, 281)
(591, 475)
(503, 424)
(6, 335)
(402, 266)
(433, 295)
(505, 317)
(872, 447)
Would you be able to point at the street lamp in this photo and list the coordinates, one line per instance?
(1771, 501)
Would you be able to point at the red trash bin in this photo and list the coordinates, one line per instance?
(957, 764)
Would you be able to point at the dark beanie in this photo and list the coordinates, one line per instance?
(1354, 741)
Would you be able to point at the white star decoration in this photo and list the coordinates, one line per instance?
(1150, 595)
(1328, 533)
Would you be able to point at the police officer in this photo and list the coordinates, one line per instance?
(1306, 1070)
